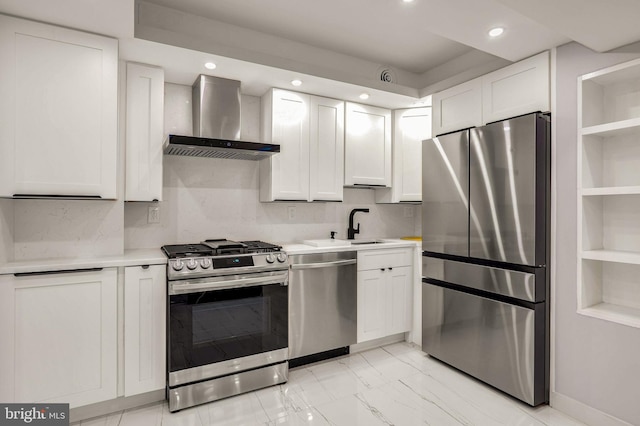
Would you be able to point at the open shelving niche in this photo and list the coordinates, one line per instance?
(609, 194)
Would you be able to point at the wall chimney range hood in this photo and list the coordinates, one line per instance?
(216, 125)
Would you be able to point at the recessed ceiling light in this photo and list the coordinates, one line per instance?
(364, 96)
(210, 66)
(407, 1)
(296, 82)
(495, 32)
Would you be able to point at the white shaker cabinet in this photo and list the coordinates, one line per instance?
(59, 337)
(58, 133)
(367, 146)
(285, 176)
(517, 89)
(458, 108)
(310, 132)
(145, 307)
(326, 149)
(410, 128)
(144, 132)
(385, 292)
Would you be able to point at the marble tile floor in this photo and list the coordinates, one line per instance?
(392, 385)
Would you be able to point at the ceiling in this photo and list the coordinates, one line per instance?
(340, 48)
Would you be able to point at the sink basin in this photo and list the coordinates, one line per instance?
(362, 242)
(327, 243)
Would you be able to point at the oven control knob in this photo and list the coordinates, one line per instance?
(282, 257)
(270, 258)
(177, 265)
(192, 264)
(205, 263)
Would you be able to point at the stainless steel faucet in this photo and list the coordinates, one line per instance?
(351, 231)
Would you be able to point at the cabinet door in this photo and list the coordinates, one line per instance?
(58, 133)
(399, 299)
(410, 128)
(457, 108)
(372, 301)
(58, 336)
(367, 145)
(144, 133)
(289, 171)
(515, 90)
(145, 307)
(326, 168)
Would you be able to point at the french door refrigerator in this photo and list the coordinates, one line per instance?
(485, 240)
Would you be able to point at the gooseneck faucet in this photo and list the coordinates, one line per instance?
(351, 232)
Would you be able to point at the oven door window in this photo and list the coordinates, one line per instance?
(218, 325)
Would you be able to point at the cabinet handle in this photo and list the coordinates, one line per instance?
(144, 266)
(391, 269)
(66, 271)
(63, 197)
(382, 269)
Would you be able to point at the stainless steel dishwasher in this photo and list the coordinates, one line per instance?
(322, 305)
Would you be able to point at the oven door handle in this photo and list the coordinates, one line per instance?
(323, 264)
(183, 287)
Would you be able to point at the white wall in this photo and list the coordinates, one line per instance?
(218, 198)
(597, 363)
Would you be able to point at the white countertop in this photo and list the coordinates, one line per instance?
(129, 258)
(293, 249)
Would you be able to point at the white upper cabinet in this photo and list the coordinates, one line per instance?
(410, 128)
(515, 90)
(58, 133)
(59, 337)
(457, 108)
(310, 132)
(145, 320)
(326, 167)
(144, 132)
(285, 176)
(367, 146)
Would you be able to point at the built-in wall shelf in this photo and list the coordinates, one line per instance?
(611, 190)
(614, 313)
(609, 194)
(612, 256)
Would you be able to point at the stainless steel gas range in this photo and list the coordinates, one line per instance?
(227, 320)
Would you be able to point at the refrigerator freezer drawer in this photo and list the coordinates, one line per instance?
(498, 343)
(519, 285)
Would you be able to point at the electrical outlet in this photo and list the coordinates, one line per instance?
(408, 211)
(154, 214)
(291, 212)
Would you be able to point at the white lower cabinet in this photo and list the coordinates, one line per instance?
(385, 292)
(59, 337)
(145, 306)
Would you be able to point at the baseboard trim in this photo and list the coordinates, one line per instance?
(115, 405)
(365, 346)
(583, 412)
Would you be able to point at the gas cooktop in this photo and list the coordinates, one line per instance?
(223, 257)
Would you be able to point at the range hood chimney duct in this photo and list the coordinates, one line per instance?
(217, 124)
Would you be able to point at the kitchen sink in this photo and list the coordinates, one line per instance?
(363, 242)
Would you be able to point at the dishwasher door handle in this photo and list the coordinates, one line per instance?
(323, 264)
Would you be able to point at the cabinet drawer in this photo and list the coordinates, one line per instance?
(385, 258)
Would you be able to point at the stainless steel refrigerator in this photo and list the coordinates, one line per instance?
(485, 240)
